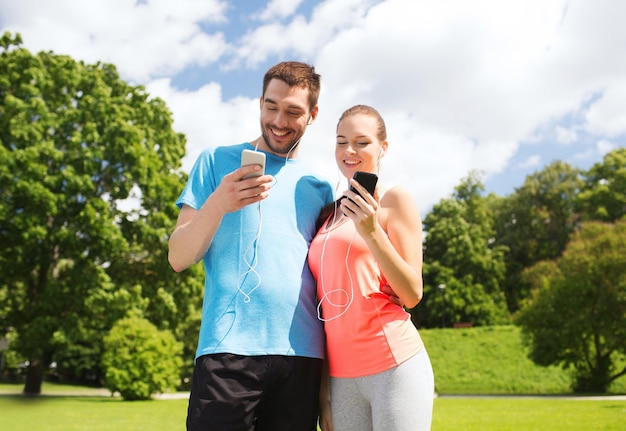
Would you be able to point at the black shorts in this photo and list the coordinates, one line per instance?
(254, 393)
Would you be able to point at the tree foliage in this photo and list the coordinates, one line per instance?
(535, 223)
(577, 317)
(89, 175)
(459, 255)
(139, 360)
(603, 196)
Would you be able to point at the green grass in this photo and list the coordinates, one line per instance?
(492, 360)
(488, 360)
(74, 413)
(91, 413)
(532, 414)
(49, 388)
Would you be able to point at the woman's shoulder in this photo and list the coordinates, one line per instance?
(399, 203)
(395, 195)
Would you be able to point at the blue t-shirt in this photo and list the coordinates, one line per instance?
(259, 296)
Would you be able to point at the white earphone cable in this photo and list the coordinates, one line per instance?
(349, 296)
(252, 264)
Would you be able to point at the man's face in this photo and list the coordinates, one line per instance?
(284, 117)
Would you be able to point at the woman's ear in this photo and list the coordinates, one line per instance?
(383, 150)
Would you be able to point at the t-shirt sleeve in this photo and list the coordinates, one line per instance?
(200, 183)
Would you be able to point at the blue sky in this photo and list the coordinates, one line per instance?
(503, 87)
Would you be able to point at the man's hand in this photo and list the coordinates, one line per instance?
(195, 228)
(387, 290)
(234, 193)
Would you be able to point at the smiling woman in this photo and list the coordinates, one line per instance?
(367, 262)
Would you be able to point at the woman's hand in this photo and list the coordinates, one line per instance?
(361, 208)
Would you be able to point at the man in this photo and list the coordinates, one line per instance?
(261, 344)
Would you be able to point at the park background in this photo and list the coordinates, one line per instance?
(516, 161)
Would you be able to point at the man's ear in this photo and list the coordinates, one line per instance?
(313, 115)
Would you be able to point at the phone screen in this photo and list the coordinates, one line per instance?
(367, 180)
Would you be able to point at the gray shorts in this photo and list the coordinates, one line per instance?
(399, 399)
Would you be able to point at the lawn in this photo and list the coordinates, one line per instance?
(74, 413)
(102, 413)
(528, 414)
(492, 360)
(467, 362)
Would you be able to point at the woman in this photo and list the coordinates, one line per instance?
(367, 257)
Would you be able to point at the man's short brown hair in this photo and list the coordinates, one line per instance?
(296, 74)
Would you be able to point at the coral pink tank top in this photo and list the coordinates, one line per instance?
(365, 332)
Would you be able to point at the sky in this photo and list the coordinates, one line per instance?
(499, 87)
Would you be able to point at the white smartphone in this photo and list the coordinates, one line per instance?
(249, 157)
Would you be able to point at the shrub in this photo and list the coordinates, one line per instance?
(139, 360)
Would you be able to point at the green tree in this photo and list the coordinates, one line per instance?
(603, 196)
(462, 269)
(89, 175)
(535, 222)
(139, 360)
(577, 317)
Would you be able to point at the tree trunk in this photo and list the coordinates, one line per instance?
(34, 377)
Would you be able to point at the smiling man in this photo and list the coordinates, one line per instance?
(260, 348)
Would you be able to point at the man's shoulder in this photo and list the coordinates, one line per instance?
(310, 178)
(312, 175)
(310, 170)
(224, 150)
(222, 154)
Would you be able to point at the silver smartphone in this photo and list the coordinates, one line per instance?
(249, 157)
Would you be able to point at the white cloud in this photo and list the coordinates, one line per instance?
(155, 38)
(605, 146)
(464, 72)
(299, 38)
(206, 119)
(279, 9)
(461, 83)
(607, 116)
(531, 162)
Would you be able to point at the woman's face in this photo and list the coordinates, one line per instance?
(358, 147)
